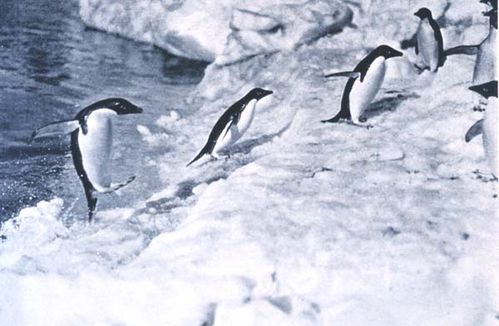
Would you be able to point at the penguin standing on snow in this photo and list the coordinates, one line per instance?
(232, 124)
(488, 126)
(429, 41)
(91, 145)
(485, 64)
(363, 84)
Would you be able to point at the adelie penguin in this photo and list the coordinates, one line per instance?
(429, 41)
(91, 145)
(232, 124)
(363, 84)
(485, 64)
(488, 125)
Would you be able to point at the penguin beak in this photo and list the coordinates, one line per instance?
(476, 89)
(266, 93)
(397, 53)
(138, 110)
(488, 13)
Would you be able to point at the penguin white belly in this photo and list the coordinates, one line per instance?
(485, 66)
(364, 92)
(490, 141)
(95, 148)
(427, 45)
(236, 130)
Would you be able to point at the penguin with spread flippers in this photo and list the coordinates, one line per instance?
(232, 124)
(485, 65)
(488, 125)
(91, 145)
(363, 84)
(429, 41)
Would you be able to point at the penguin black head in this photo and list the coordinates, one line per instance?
(258, 93)
(487, 90)
(387, 52)
(423, 13)
(492, 14)
(119, 105)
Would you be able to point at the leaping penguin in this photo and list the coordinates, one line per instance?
(91, 145)
(232, 124)
(429, 41)
(363, 84)
(488, 126)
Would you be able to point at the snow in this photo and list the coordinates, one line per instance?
(241, 28)
(305, 224)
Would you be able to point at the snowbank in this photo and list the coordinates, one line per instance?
(206, 30)
(305, 224)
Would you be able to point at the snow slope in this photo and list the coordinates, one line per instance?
(305, 224)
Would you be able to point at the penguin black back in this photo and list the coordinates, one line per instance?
(229, 117)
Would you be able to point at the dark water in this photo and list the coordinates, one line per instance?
(51, 66)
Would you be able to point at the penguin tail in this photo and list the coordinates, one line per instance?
(200, 154)
(54, 129)
(341, 115)
(348, 74)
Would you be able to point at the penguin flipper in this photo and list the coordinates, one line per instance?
(53, 129)
(462, 49)
(115, 186)
(349, 74)
(475, 130)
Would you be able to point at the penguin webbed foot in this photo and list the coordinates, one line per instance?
(116, 186)
(484, 176)
(420, 70)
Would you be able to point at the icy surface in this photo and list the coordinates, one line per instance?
(305, 224)
(206, 30)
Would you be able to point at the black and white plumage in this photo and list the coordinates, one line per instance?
(232, 124)
(363, 84)
(91, 145)
(485, 64)
(429, 41)
(488, 125)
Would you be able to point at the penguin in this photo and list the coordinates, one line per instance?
(485, 65)
(363, 84)
(429, 41)
(232, 124)
(488, 126)
(91, 145)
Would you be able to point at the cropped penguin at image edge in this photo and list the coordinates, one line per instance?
(488, 126)
(233, 123)
(485, 62)
(363, 84)
(91, 145)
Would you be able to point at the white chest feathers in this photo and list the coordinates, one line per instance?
(96, 148)
(233, 131)
(485, 66)
(363, 92)
(490, 141)
(427, 45)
